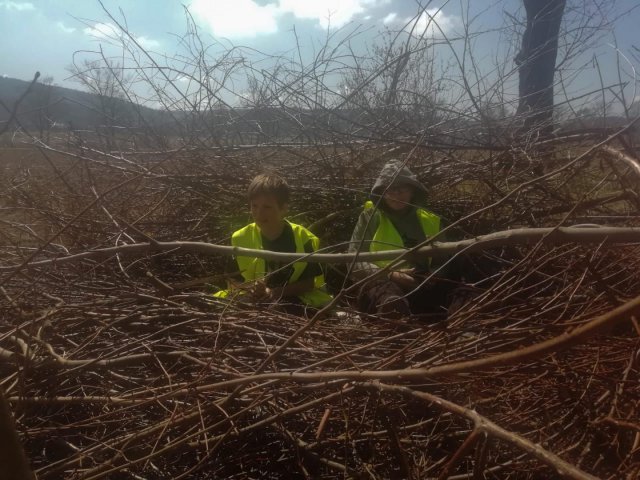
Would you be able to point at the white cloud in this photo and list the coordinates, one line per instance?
(389, 18)
(18, 6)
(432, 23)
(334, 13)
(245, 18)
(64, 28)
(109, 30)
(102, 30)
(147, 42)
(236, 18)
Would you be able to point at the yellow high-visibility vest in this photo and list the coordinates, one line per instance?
(387, 237)
(254, 268)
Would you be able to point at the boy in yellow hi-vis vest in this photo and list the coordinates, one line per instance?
(399, 221)
(295, 286)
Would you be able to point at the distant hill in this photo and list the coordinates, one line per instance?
(51, 107)
(60, 107)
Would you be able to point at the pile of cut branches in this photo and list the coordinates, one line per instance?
(124, 366)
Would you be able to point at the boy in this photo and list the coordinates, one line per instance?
(295, 285)
(400, 221)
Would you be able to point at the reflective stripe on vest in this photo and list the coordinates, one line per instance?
(387, 237)
(253, 268)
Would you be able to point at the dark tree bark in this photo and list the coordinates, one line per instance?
(537, 63)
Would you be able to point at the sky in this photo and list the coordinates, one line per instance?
(44, 34)
(48, 35)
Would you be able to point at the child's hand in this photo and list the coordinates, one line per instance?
(258, 291)
(404, 278)
(273, 294)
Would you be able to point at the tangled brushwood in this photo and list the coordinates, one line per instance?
(124, 366)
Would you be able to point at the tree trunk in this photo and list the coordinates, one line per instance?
(537, 62)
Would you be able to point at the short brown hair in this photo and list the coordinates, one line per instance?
(269, 184)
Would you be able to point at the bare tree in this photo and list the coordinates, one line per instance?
(108, 81)
(395, 89)
(44, 119)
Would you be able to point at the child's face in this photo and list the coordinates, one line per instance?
(398, 197)
(267, 212)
